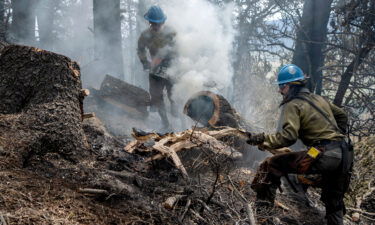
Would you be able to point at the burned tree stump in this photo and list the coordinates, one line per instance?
(127, 97)
(41, 105)
(213, 110)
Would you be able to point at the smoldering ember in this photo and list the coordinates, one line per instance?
(187, 112)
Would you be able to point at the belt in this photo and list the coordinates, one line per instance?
(328, 144)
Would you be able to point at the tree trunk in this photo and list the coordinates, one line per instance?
(311, 36)
(41, 104)
(107, 34)
(45, 14)
(2, 20)
(23, 22)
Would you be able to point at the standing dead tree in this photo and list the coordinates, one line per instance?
(359, 16)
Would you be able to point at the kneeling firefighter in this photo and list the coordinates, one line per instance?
(321, 126)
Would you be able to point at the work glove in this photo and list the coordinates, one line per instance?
(255, 139)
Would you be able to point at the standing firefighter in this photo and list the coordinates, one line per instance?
(159, 40)
(321, 126)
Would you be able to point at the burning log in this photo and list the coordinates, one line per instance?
(213, 110)
(129, 98)
(41, 104)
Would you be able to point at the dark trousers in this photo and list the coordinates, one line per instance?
(334, 181)
(157, 85)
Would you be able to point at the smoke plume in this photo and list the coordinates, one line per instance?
(204, 41)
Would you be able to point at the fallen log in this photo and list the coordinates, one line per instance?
(127, 97)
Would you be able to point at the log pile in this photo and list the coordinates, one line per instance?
(41, 104)
(119, 95)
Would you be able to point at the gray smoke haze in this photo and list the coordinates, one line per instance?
(205, 35)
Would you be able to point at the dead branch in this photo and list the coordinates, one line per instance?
(250, 213)
(361, 211)
(197, 215)
(2, 220)
(187, 206)
(93, 191)
(88, 115)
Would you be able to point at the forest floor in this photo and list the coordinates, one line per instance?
(49, 190)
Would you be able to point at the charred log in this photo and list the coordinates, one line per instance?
(119, 95)
(213, 110)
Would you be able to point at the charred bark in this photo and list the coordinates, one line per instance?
(41, 104)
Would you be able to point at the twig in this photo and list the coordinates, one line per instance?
(361, 211)
(247, 205)
(197, 215)
(182, 217)
(250, 213)
(93, 191)
(2, 220)
(204, 205)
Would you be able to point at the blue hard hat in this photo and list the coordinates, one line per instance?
(289, 73)
(155, 15)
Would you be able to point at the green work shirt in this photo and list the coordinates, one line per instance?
(300, 120)
(160, 44)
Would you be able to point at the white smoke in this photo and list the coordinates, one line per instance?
(204, 39)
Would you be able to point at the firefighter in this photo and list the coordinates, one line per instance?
(159, 41)
(321, 126)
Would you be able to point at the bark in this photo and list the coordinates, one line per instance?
(23, 21)
(311, 36)
(41, 104)
(107, 34)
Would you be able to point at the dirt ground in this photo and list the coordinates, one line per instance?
(47, 191)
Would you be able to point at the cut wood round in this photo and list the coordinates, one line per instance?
(214, 110)
(41, 103)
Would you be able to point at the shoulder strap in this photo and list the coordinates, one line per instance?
(320, 111)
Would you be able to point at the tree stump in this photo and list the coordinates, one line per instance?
(41, 105)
